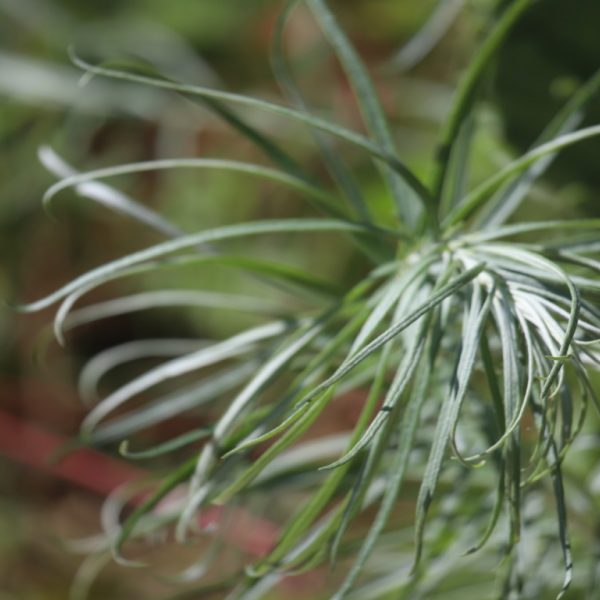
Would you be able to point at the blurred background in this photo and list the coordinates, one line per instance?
(226, 45)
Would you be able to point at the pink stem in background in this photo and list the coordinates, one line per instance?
(32, 445)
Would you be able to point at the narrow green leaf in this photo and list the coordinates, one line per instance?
(530, 258)
(171, 445)
(272, 150)
(352, 361)
(278, 274)
(167, 298)
(173, 404)
(482, 193)
(298, 526)
(341, 175)
(511, 394)
(224, 426)
(508, 427)
(323, 200)
(286, 439)
(410, 361)
(426, 38)
(406, 435)
(128, 528)
(466, 93)
(450, 288)
(397, 287)
(354, 500)
(494, 517)
(189, 241)
(103, 362)
(367, 472)
(472, 330)
(530, 227)
(561, 511)
(407, 191)
(244, 100)
(458, 167)
(312, 548)
(280, 358)
(504, 204)
(234, 346)
(108, 196)
(317, 365)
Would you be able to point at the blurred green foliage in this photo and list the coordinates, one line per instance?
(551, 52)
(226, 44)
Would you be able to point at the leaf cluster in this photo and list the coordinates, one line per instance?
(471, 336)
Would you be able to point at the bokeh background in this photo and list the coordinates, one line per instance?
(223, 44)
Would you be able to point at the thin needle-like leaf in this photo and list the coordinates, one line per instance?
(164, 448)
(530, 227)
(511, 393)
(323, 200)
(290, 436)
(167, 298)
(406, 435)
(352, 361)
(421, 44)
(482, 193)
(232, 347)
(169, 484)
(299, 524)
(504, 204)
(107, 196)
(410, 362)
(407, 191)
(244, 100)
(190, 241)
(175, 403)
(225, 424)
(103, 362)
(465, 95)
(473, 328)
(561, 510)
(282, 73)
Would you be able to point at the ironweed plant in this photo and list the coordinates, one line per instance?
(472, 338)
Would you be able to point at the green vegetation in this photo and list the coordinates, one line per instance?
(466, 334)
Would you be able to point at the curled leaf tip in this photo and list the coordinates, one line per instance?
(124, 448)
(124, 562)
